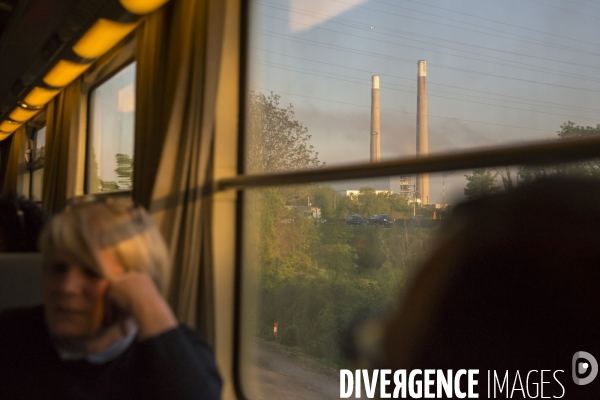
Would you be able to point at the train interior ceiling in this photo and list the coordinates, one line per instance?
(258, 130)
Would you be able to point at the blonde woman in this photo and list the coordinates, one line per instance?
(105, 330)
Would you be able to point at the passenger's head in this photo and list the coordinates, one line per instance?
(21, 223)
(514, 283)
(84, 245)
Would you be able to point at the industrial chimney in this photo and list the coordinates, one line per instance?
(375, 149)
(422, 139)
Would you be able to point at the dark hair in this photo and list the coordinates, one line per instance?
(21, 223)
(514, 284)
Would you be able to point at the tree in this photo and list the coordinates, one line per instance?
(124, 170)
(505, 175)
(481, 183)
(527, 174)
(276, 141)
(325, 197)
(570, 131)
(108, 185)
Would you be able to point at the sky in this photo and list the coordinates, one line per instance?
(498, 72)
(112, 121)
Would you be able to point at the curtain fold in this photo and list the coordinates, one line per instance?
(152, 39)
(180, 201)
(12, 164)
(61, 119)
(4, 152)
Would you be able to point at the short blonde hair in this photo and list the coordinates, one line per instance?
(128, 232)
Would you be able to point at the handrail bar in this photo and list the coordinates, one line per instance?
(539, 153)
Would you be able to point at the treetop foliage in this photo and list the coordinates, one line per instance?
(124, 170)
(483, 181)
(569, 130)
(276, 141)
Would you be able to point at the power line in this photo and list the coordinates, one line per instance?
(470, 24)
(362, 82)
(563, 9)
(537, 13)
(478, 17)
(429, 83)
(582, 4)
(361, 26)
(401, 111)
(438, 65)
(430, 94)
(562, 106)
(515, 36)
(520, 37)
(587, 5)
(456, 55)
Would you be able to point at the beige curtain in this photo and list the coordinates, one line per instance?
(179, 90)
(61, 120)
(12, 166)
(152, 39)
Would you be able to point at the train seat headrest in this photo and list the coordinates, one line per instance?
(20, 280)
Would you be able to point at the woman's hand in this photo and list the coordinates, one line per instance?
(135, 293)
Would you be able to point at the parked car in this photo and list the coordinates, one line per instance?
(382, 220)
(356, 220)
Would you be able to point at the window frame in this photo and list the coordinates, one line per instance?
(33, 127)
(118, 60)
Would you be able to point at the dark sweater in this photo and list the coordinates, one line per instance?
(174, 365)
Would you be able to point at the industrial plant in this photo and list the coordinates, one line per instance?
(412, 188)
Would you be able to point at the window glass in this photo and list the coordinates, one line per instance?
(37, 178)
(318, 261)
(25, 184)
(40, 145)
(111, 125)
(496, 73)
(325, 267)
(339, 82)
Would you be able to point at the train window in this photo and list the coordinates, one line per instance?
(337, 83)
(111, 132)
(37, 164)
(25, 181)
(24, 175)
(31, 162)
(40, 146)
(37, 181)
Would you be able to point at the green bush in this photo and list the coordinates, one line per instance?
(316, 279)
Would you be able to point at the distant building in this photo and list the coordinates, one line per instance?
(407, 188)
(307, 211)
(355, 192)
(391, 184)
